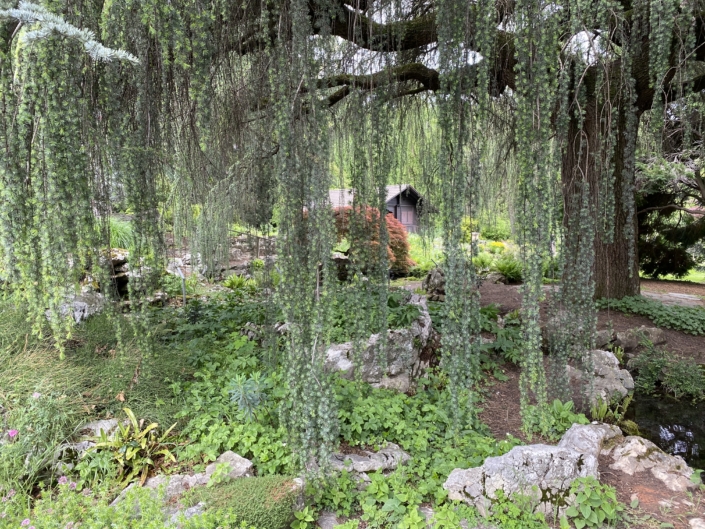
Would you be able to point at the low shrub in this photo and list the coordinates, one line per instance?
(346, 315)
(365, 251)
(30, 437)
(427, 254)
(240, 283)
(468, 226)
(560, 416)
(658, 368)
(510, 267)
(134, 449)
(496, 247)
(499, 230)
(483, 262)
(595, 505)
(264, 501)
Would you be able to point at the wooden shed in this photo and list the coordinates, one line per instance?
(403, 201)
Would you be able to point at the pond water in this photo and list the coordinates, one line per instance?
(677, 427)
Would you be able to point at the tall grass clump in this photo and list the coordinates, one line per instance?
(121, 233)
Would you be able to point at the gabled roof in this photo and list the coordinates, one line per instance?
(398, 189)
(344, 197)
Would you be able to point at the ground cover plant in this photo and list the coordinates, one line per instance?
(690, 320)
(661, 370)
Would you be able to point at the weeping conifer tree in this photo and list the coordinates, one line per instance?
(225, 111)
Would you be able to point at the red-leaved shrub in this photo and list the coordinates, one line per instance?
(362, 231)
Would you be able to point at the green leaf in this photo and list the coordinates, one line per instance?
(572, 511)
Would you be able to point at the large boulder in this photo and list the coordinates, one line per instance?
(630, 339)
(81, 306)
(636, 455)
(609, 383)
(403, 352)
(544, 473)
(541, 472)
(590, 438)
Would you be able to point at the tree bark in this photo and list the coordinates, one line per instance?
(611, 270)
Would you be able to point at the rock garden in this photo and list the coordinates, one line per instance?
(354, 264)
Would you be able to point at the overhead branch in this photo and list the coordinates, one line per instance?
(427, 77)
(395, 36)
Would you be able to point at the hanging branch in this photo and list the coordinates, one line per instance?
(31, 13)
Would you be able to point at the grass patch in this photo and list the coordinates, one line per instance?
(121, 234)
(694, 276)
(46, 398)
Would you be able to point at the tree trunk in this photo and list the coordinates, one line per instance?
(611, 270)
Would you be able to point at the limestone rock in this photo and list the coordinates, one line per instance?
(610, 382)
(176, 484)
(186, 514)
(239, 466)
(435, 282)
(403, 351)
(653, 334)
(627, 340)
(81, 306)
(389, 458)
(495, 278)
(327, 520)
(589, 438)
(603, 338)
(93, 429)
(637, 455)
(544, 473)
(697, 523)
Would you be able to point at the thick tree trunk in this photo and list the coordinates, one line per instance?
(612, 273)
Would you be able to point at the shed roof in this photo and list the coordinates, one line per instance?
(344, 197)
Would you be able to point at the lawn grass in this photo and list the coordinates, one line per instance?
(694, 276)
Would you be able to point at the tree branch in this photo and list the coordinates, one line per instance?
(395, 36)
(673, 207)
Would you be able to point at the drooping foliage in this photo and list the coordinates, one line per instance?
(220, 112)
